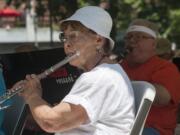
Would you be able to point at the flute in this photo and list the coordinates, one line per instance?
(9, 94)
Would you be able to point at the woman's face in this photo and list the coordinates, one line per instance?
(84, 42)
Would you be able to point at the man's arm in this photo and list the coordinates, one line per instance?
(162, 95)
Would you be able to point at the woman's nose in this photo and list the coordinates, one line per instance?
(68, 47)
(67, 44)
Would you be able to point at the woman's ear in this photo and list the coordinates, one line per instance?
(99, 40)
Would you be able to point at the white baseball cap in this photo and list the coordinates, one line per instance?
(94, 18)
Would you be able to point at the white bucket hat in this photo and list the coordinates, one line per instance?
(96, 19)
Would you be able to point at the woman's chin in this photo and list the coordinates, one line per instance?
(73, 63)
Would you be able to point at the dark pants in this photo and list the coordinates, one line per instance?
(31, 132)
(150, 131)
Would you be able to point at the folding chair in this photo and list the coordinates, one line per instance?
(144, 94)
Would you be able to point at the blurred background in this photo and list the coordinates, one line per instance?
(35, 22)
(29, 31)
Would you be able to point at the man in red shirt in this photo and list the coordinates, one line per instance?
(142, 63)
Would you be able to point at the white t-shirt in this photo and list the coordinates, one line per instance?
(107, 96)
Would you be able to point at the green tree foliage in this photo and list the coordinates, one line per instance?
(62, 8)
(166, 13)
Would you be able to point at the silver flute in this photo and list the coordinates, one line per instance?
(10, 93)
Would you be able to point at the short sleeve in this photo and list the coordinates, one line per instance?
(96, 90)
(91, 93)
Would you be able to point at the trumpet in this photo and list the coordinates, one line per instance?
(10, 93)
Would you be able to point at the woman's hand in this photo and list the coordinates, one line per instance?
(31, 87)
